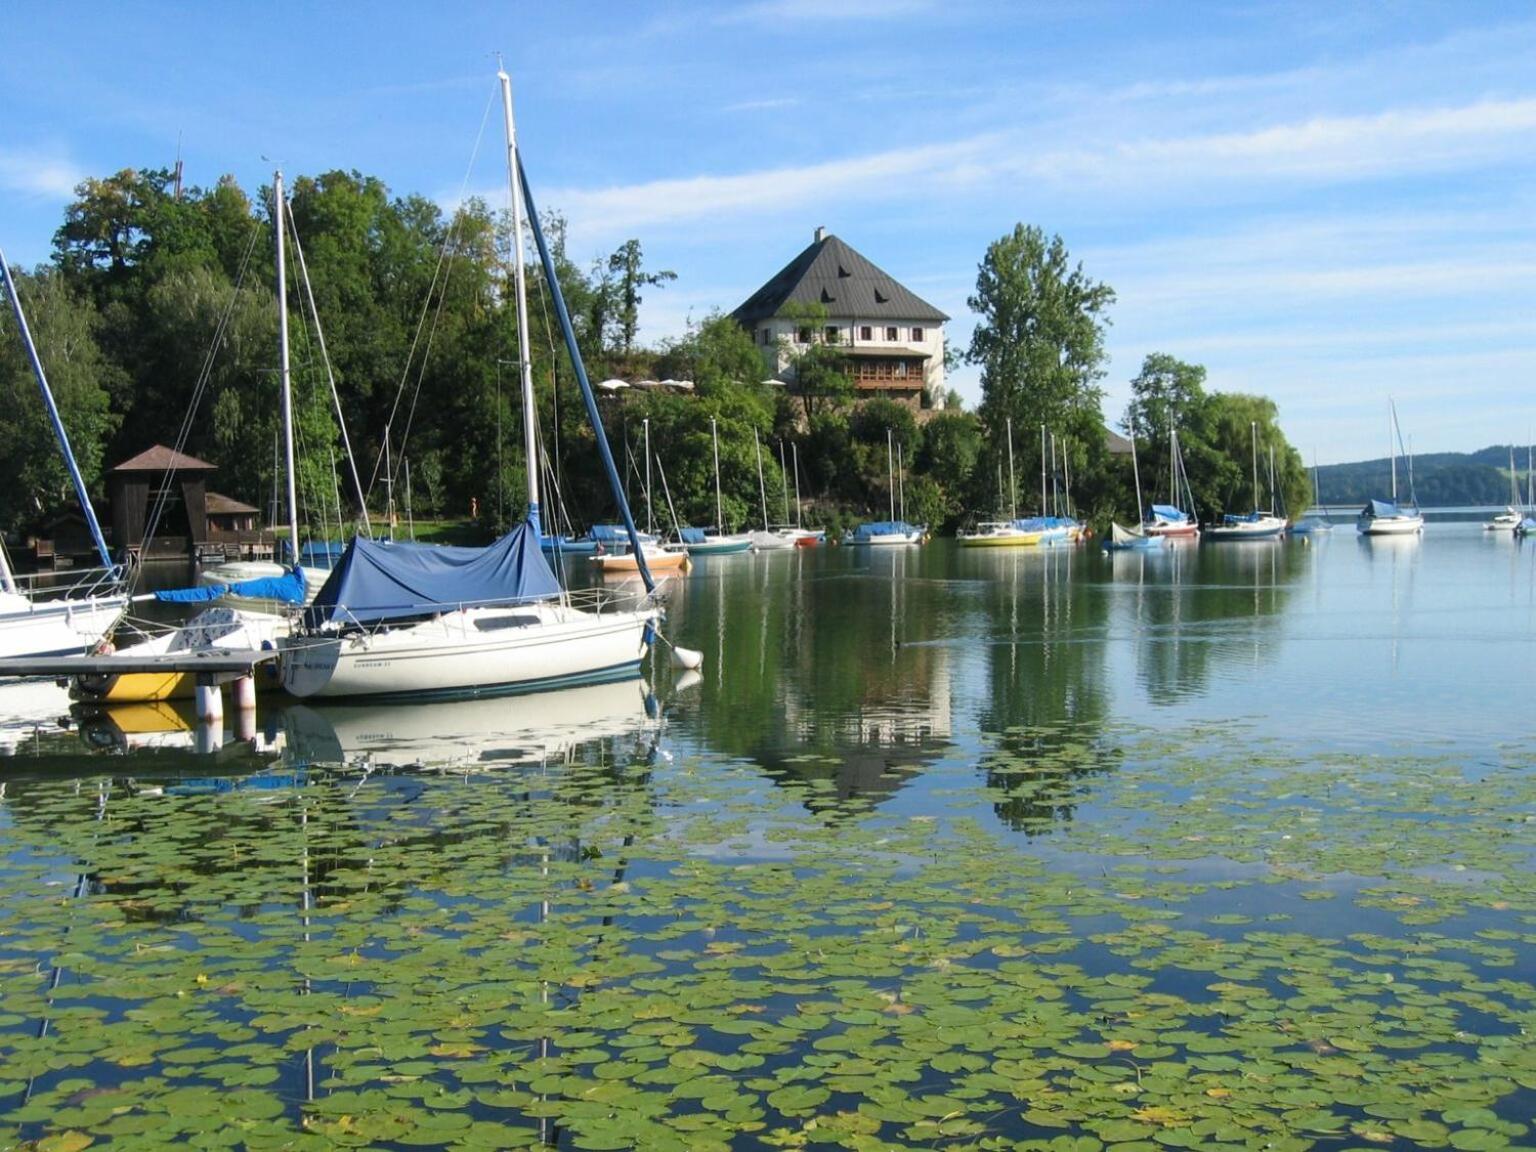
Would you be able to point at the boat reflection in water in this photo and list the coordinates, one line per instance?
(468, 734)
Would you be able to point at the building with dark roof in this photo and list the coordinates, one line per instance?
(892, 338)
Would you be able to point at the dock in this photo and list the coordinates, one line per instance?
(213, 669)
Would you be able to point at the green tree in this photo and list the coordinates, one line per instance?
(1040, 347)
(626, 265)
(1222, 464)
(63, 325)
(817, 366)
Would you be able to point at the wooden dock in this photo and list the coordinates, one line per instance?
(219, 665)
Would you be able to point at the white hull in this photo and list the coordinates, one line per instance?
(67, 627)
(887, 539)
(1389, 525)
(771, 542)
(469, 652)
(1265, 527)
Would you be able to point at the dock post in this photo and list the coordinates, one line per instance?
(245, 708)
(209, 698)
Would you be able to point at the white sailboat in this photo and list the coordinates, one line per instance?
(1133, 539)
(1170, 519)
(1256, 525)
(767, 540)
(1509, 519)
(1388, 518)
(893, 531)
(415, 621)
(718, 542)
(67, 621)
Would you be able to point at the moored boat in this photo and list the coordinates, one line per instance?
(1388, 517)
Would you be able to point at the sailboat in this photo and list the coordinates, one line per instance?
(893, 531)
(36, 622)
(1313, 525)
(1387, 517)
(625, 559)
(1508, 520)
(1133, 539)
(796, 533)
(767, 540)
(719, 542)
(1007, 533)
(1256, 525)
(1170, 519)
(414, 621)
(254, 594)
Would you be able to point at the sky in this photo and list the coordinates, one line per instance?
(1326, 203)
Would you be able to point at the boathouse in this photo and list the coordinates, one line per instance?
(892, 339)
(192, 521)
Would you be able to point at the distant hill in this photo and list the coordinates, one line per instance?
(1480, 477)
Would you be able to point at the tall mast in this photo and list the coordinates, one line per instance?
(1253, 428)
(890, 472)
(53, 416)
(784, 481)
(1042, 470)
(1136, 472)
(794, 451)
(279, 213)
(525, 359)
(762, 492)
(1173, 467)
(901, 482)
(1013, 487)
(650, 521)
(714, 436)
(1392, 444)
(1055, 495)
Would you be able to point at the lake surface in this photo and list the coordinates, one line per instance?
(1228, 847)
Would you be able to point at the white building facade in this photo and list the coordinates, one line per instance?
(893, 340)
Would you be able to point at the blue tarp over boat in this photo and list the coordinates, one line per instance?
(375, 582)
(1384, 509)
(288, 588)
(1168, 512)
(692, 535)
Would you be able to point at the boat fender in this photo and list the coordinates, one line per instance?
(269, 668)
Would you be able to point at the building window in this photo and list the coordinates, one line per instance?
(831, 334)
(917, 335)
(767, 335)
(901, 369)
(890, 334)
(803, 336)
(866, 333)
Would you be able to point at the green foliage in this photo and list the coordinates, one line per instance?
(63, 324)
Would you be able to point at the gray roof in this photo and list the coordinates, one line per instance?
(847, 285)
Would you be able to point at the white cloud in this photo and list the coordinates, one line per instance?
(35, 174)
(778, 189)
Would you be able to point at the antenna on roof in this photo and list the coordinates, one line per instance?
(176, 179)
(821, 233)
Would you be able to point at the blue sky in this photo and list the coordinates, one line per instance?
(1326, 203)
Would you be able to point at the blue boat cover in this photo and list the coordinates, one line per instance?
(1169, 512)
(1379, 509)
(376, 581)
(609, 534)
(884, 528)
(288, 588)
(692, 535)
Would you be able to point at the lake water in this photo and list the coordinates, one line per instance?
(1228, 847)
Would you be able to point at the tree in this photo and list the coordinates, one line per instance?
(1040, 346)
(63, 325)
(625, 264)
(817, 366)
(1166, 393)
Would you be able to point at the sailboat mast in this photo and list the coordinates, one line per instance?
(279, 213)
(901, 482)
(1042, 469)
(714, 435)
(1136, 472)
(890, 472)
(1253, 429)
(1055, 492)
(53, 416)
(524, 357)
(1013, 487)
(650, 520)
(784, 482)
(762, 491)
(1392, 445)
(794, 452)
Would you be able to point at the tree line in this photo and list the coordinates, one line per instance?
(156, 319)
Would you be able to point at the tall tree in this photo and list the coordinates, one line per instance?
(1040, 344)
(627, 266)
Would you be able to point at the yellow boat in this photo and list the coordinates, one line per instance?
(220, 627)
(1000, 534)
